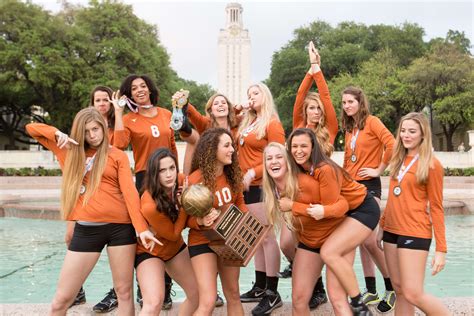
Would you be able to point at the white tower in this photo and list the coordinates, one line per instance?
(234, 56)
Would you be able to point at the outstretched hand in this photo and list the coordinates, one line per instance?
(148, 240)
(63, 140)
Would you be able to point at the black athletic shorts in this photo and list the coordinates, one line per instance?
(374, 186)
(139, 177)
(305, 247)
(407, 242)
(144, 256)
(93, 238)
(253, 195)
(368, 212)
(199, 250)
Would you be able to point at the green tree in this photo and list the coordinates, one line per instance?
(444, 81)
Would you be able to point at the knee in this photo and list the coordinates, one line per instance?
(232, 295)
(207, 302)
(371, 245)
(413, 296)
(299, 299)
(329, 256)
(61, 302)
(124, 292)
(152, 307)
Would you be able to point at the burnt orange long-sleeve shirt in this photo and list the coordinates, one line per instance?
(374, 144)
(331, 117)
(418, 210)
(166, 231)
(116, 199)
(313, 232)
(251, 153)
(146, 135)
(223, 196)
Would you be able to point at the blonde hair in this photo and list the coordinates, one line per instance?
(274, 215)
(425, 150)
(231, 120)
(268, 112)
(74, 166)
(320, 130)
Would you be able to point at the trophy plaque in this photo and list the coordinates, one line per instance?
(177, 119)
(234, 236)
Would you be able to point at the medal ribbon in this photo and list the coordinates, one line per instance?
(250, 128)
(135, 109)
(353, 140)
(401, 173)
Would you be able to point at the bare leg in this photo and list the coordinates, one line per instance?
(191, 141)
(121, 259)
(150, 274)
(337, 294)
(230, 285)
(287, 243)
(181, 270)
(205, 271)
(76, 267)
(307, 268)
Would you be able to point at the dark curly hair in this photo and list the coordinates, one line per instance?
(164, 204)
(126, 88)
(205, 159)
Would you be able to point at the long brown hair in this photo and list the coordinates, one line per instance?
(231, 121)
(321, 130)
(205, 159)
(164, 204)
(358, 120)
(425, 151)
(111, 112)
(74, 167)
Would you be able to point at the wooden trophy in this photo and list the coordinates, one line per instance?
(235, 235)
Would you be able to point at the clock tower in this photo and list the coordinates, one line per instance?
(234, 56)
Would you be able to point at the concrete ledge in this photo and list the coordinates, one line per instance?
(456, 305)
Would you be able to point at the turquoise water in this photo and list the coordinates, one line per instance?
(32, 252)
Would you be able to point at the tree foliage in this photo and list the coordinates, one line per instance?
(53, 61)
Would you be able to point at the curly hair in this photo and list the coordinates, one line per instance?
(164, 204)
(205, 159)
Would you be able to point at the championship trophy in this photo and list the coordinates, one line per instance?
(177, 118)
(234, 236)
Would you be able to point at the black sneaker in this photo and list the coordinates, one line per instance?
(80, 298)
(361, 310)
(168, 302)
(219, 301)
(269, 302)
(318, 298)
(254, 295)
(286, 273)
(108, 303)
(139, 296)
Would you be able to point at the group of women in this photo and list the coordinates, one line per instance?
(322, 211)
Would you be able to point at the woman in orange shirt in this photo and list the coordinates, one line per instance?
(416, 185)
(215, 165)
(260, 125)
(219, 113)
(101, 100)
(160, 207)
(147, 128)
(339, 249)
(94, 175)
(315, 111)
(368, 149)
(289, 195)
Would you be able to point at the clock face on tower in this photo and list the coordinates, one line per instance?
(234, 31)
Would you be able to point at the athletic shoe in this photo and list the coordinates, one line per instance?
(108, 303)
(269, 302)
(139, 296)
(318, 298)
(168, 302)
(370, 298)
(219, 301)
(361, 310)
(388, 302)
(254, 295)
(80, 298)
(286, 273)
